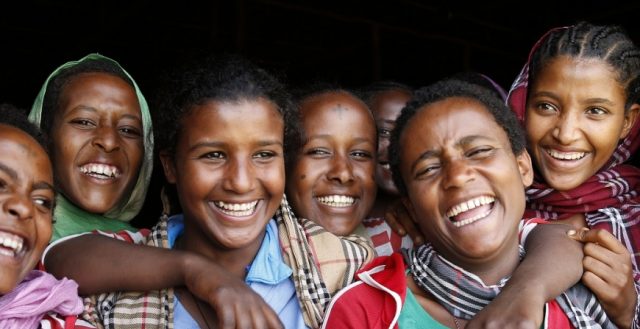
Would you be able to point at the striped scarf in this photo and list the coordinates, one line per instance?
(464, 294)
(322, 263)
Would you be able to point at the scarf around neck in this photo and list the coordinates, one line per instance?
(38, 294)
(609, 199)
(464, 294)
(322, 263)
(69, 218)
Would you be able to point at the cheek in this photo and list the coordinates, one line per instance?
(44, 231)
(135, 153)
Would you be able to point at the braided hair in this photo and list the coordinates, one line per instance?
(609, 43)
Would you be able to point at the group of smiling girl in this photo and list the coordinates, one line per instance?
(472, 179)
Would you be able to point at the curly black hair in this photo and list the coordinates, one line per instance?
(368, 93)
(448, 88)
(13, 116)
(609, 43)
(224, 77)
(51, 102)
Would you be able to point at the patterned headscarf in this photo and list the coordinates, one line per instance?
(609, 199)
(69, 218)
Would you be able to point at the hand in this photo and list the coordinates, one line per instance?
(235, 304)
(608, 272)
(400, 221)
(515, 311)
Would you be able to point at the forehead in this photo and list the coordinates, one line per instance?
(451, 120)
(333, 108)
(18, 146)
(235, 118)
(579, 76)
(90, 84)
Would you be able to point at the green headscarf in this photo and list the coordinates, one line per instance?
(69, 218)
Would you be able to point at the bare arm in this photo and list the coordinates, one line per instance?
(553, 263)
(102, 264)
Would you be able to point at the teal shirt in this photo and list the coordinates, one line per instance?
(413, 315)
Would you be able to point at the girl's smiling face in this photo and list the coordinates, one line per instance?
(228, 169)
(464, 184)
(98, 147)
(26, 205)
(574, 119)
(332, 181)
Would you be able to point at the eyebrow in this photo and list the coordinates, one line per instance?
(93, 109)
(434, 153)
(9, 171)
(588, 100)
(221, 144)
(14, 175)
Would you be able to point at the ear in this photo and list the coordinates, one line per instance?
(169, 166)
(630, 120)
(525, 167)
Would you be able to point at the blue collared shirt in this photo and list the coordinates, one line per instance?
(268, 275)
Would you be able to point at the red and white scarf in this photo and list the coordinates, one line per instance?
(609, 199)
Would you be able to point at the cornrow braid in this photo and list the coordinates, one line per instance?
(609, 43)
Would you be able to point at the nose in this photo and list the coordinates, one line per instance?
(341, 170)
(18, 206)
(566, 130)
(106, 138)
(240, 176)
(457, 173)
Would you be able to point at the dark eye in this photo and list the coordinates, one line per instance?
(3, 184)
(44, 203)
(427, 171)
(597, 111)
(361, 154)
(82, 122)
(384, 133)
(130, 131)
(546, 108)
(479, 152)
(317, 152)
(215, 155)
(265, 155)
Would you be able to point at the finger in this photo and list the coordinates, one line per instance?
(598, 286)
(226, 316)
(272, 319)
(410, 226)
(603, 238)
(391, 218)
(242, 320)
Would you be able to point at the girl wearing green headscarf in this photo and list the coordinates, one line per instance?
(101, 144)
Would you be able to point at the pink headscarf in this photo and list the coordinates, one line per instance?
(38, 294)
(609, 199)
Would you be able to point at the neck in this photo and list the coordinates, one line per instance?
(234, 260)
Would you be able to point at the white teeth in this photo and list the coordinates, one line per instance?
(100, 170)
(10, 244)
(470, 220)
(468, 205)
(386, 166)
(237, 209)
(565, 155)
(336, 200)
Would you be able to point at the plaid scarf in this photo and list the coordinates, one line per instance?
(609, 199)
(464, 294)
(322, 263)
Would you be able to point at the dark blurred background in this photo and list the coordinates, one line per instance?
(348, 42)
